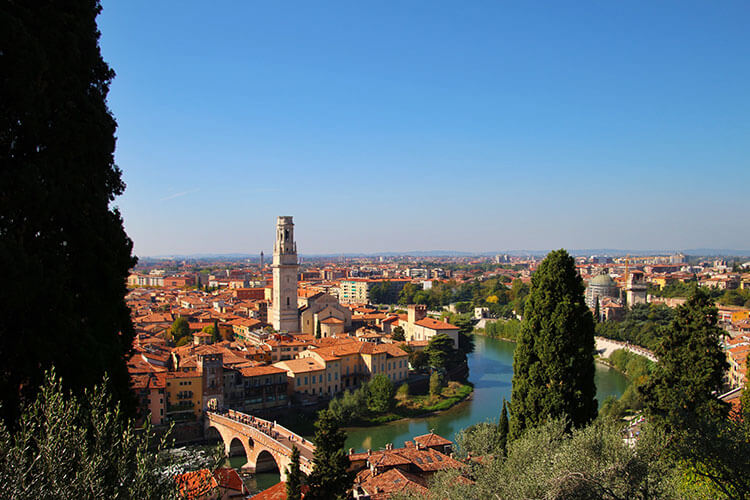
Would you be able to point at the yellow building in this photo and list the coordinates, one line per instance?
(353, 362)
(305, 376)
(184, 395)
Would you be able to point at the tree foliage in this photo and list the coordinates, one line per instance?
(180, 329)
(398, 334)
(79, 447)
(442, 354)
(69, 252)
(436, 383)
(688, 378)
(329, 478)
(554, 359)
(643, 324)
(381, 392)
(550, 462)
(294, 477)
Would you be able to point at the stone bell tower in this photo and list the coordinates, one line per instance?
(284, 313)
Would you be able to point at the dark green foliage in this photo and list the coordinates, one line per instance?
(63, 247)
(554, 359)
(398, 334)
(384, 292)
(317, 329)
(612, 407)
(79, 447)
(436, 383)
(503, 428)
(419, 360)
(686, 381)
(350, 406)
(294, 477)
(180, 329)
(643, 325)
(442, 354)
(329, 478)
(381, 393)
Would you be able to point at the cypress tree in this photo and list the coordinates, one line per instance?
(553, 364)
(503, 428)
(689, 375)
(63, 244)
(329, 478)
(317, 329)
(294, 477)
(597, 311)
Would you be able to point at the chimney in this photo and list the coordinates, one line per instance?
(369, 452)
(351, 451)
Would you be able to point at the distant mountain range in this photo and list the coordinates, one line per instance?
(713, 252)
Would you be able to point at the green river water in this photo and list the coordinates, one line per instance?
(490, 370)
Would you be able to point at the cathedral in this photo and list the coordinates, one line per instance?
(320, 313)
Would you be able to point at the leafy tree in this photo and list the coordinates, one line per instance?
(180, 329)
(419, 360)
(380, 394)
(552, 462)
(398, 334)
(441, 353)
(480, 439)
(213, 330)
(436, 383)
(403, 391)
(503, 427)
(294, 477)
(350, 406)
(686, 381)
(64, 246)
(80, 447)
(329, 478)
(554, 359)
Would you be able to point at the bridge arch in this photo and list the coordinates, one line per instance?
(265, 462)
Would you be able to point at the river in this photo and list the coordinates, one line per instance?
(491, 371)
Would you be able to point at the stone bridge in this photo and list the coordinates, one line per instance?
(266, 444)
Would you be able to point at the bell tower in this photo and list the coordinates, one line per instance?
(284, 313)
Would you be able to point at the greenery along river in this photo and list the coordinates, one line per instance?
(491, 371)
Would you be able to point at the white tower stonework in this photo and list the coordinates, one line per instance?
(284, 312)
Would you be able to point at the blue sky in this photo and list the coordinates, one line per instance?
(395, 126)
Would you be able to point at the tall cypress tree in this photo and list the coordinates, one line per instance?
(62, 244)
(553, 364)
(294, 477)
(503, 428)
(329, 478)
(689, 375)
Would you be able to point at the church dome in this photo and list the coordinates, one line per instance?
(602, 280)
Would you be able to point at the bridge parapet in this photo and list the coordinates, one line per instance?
(264, 435)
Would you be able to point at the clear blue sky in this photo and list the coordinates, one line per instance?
(474, 126)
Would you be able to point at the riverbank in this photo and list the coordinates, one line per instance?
(416, 406)
(491, 374)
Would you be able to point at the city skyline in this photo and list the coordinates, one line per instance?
(464, 128)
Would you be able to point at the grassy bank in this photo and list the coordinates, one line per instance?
(419, 405)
